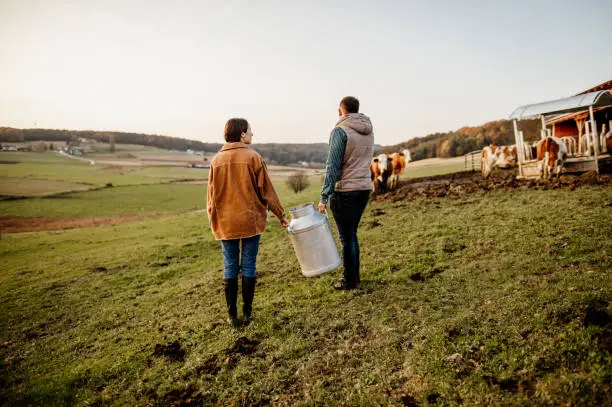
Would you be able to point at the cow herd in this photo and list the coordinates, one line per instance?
(550, 154)
(386, 169)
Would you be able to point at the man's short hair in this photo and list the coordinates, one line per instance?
(350, 104)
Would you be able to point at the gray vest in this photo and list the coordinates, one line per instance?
(356, 164)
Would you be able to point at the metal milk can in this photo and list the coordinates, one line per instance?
(312, 240)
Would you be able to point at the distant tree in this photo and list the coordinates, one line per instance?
(298, 182)
(111, 143)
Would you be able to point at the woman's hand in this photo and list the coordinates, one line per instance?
(284, 222)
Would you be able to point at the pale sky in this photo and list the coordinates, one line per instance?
(182, 68)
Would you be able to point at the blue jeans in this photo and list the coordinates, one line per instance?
(347, 208)
(231, 257)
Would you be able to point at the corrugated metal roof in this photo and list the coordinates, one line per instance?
(565, 105)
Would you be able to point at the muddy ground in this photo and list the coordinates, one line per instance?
(468, 182)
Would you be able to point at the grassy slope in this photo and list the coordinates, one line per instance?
(129, 200)
(503, 279)
(438, 166)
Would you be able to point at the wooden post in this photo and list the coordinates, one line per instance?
(519, 146)
(543, 131)
(579, 124)
(602, 139)
(588, 135)
(595, 140)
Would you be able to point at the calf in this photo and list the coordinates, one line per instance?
(497, 156)
(550, 157)
(380, 170)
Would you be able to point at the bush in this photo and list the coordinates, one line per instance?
(298, 182)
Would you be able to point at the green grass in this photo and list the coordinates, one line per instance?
(36, 187)
(436, 166)
(63, 174)
(76, 171)
(130, 200)
(28, 157)
(509, 281)
(126, 200)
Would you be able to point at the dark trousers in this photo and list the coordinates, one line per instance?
(347, 208)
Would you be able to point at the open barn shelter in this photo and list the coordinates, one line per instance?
(582, 122)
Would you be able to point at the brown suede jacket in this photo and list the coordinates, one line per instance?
(239, 192)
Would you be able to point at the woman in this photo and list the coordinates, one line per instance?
(239, 192)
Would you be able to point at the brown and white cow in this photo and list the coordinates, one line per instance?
(551, 155)
(380, 168)
(398, 166)
(497, 157)
(608, 142)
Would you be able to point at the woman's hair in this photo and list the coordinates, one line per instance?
(234, 129)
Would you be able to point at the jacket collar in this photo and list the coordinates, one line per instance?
(232, 146)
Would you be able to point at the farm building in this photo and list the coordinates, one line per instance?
(582, 121)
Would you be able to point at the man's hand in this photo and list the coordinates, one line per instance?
(284, 222)
(322, 207)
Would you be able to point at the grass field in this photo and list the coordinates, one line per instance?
(499, 298)
(32, 174)
(439, 166)
(485, 299)
(37, 187)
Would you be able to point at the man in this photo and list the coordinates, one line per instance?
(347, 183)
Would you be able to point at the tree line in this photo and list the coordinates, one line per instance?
(8, 134)
(449, 144)
(464, 140)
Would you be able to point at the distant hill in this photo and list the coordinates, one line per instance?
(464, 140)
(450, 144)
(169, 143)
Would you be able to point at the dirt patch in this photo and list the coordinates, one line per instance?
(113, 168)
(468, 182)
(18, 224)
(189, 396)
(418, 276)
(194, 182)
(242, 347)
(597, 314)
(210, 367)
(373, 224)
(172, 351)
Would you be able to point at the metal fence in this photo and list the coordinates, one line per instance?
(472, 160)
